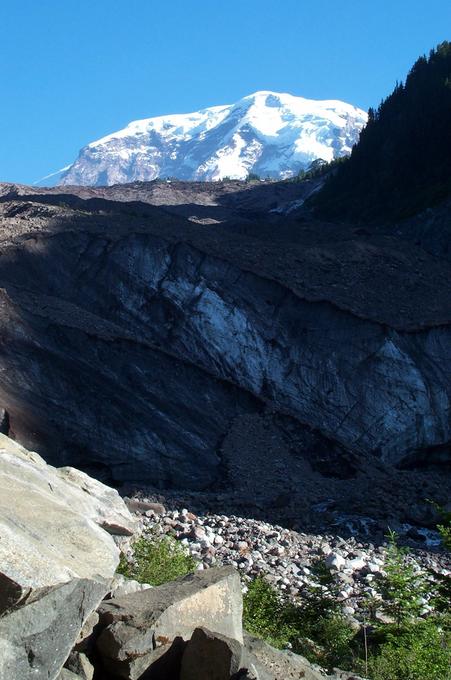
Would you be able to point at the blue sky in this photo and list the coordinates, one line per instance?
(75, 70)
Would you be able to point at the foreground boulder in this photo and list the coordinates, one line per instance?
(263, 661)
(211, 656)
(58, 554)
(190, 629)
(36, 639)
(142, 627)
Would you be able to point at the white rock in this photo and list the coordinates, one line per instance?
(55, 524)
(335, 561)
(57, 558)
(356, 564)
(124, 586)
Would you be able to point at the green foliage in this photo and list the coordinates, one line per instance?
(445, 532)
(334, 641)
(444, 528)
(441, 592)
(266, 615)
(401, 164)
(319, 168)
(402, 588)
(157, 560)
(419, 651)
(316, 169)
(315, 628)
(410, 648)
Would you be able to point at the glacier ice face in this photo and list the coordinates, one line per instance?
(271, 134)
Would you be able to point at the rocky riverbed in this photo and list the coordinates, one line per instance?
(287, 558)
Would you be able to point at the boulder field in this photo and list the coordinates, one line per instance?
(64, 615)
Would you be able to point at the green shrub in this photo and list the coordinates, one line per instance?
(157, 560)
(410, 648)
(315, 628)
(266, 615)
(444, 528)
(420, 651)
(441, 592)
(402, 588)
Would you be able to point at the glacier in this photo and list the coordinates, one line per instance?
(267, 133)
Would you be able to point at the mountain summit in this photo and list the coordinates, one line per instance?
(271, 134)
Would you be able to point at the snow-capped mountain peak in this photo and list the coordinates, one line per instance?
(268, 133)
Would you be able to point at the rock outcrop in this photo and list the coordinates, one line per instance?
(137, 625)
(135, 342)
(58, 554)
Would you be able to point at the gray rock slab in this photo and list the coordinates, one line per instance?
(36, 639)
(210, 656)
(163, 663)
(210, 598)
(68, 675)
(55, 525)
(78, 663)
(261, 658)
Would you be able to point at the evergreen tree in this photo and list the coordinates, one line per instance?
(401, 164)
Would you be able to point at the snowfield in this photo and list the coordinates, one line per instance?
(267, 133)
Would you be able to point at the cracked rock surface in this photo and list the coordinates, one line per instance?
(148, 348)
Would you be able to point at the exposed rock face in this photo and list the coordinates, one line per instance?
(134, 340)
(52, 524)
(57, 558)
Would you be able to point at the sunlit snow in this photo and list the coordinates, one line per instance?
(268, 133)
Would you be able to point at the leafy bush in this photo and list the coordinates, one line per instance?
(156, 561)
(265, 614)
(419, 651)
(315, 629)
(409, 648)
